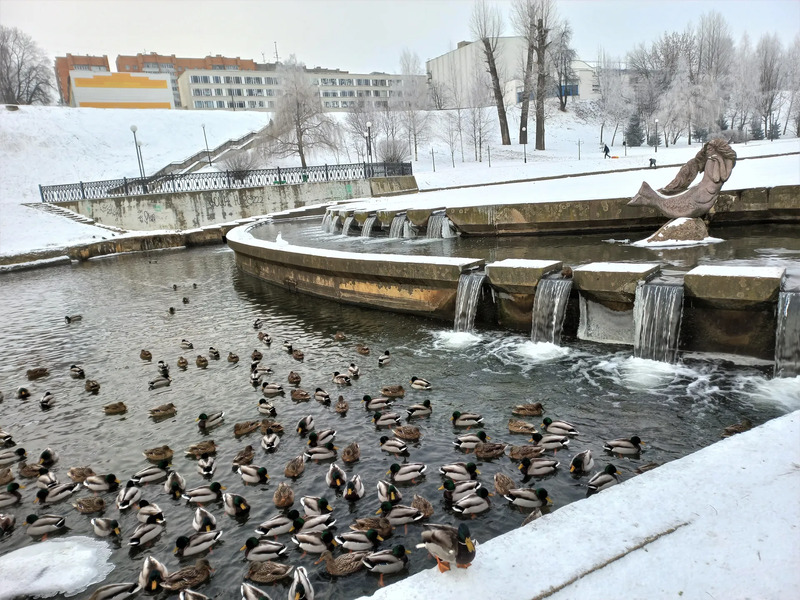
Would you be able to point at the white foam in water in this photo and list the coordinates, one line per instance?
(62, 566)
(643, 373)
(542, 351)
(455, 340)
(780, 391)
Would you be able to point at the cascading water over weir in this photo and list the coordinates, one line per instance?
(435, 223)
(397, 226)
(467, 296)
(366, 230)
(549, 308)
(787, 338)
(657, 312)
(347, 223)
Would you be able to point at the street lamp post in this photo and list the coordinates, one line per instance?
(369, 140)
(656, 142)
(208, 154)
(137, 146)
(525, 145)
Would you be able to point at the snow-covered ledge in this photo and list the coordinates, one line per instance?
(723, 522)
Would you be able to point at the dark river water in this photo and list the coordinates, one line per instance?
(124, 300)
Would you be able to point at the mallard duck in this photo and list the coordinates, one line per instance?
(315, 505)
(6, 476)
(359, 540)
(419, 410)
(152, 575)
(264, 337)
(341, 406)
(380, 403)
(245, 427)
(528, 497)
(558, 427)
(532, 516)
(159, 453)
(581, 463)
(204, 493)
(528, 410)
(56, 493)
(163, 411)
(517, 426)
(624, 447)
(203, 520)
(265, 407)
(287, 345)
(105, 527)
(235, 505)
(399, 514)
(270, 440)
(186, 345)
(283, 496)
(527, 451)
(602, 480)
(407, 432)
(213, 353)
(270, 388)
(387, 492)
(298, 354)
(647, 467)
(115, 408)
(201, 361)
(41, 525)
(386, 561)
(115, 591)
(188, 577)
(175, 484)
(200, 448)
(343, 565)
(355, 489)
(422, 505)
(233, 358)
(322, 396)
(339, 336)
(48, 400)
(191, 595)
(393, 446)
(244, 457)
(538, 467)
(171, 310)
(196, 543)
(362, 350)
(351, 453)
(387, 419)
(294, 378)
(470, 440)
(300, 395)
(163, 368)
(159, 382)
(467, 419)
(460, 471)
(313, 523)
(11, 495)
(353, 371)
(182, 363)
(301, 588)
(128, 496)
(305, 425)
(256, 355)
(185, 300)
(473, 504)
(262, 550)
(489, 451)
(448, 544)
(278, 525)
(379, 524)
(258, 323)
(502, 483)
(89, 505)
(146, 510)
(206, 465)
(406, 472)
(76, 372)
(295, 467)
(6, 439)
(384, 359)
(340, 379)
(48, 457)
(315, 543)
(146, 355)
(92, 386)
(393, 391)
(268, 571)
(251, 592)
(325, 452)
(335, 477)
(102, 483)
(36, 373)
(46, 479)
(550, 442)
(745, 425)
(22, 393)
(418, 383)
(8, 457)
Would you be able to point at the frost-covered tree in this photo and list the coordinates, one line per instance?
(413, 101)
(615, 101)
(355, 125)
(486, 24)
(447, 132)
(634, 136)
(743, 84)
(769, 57)
(792, 85)
(561, 55)
(26, 76)
(478, 120)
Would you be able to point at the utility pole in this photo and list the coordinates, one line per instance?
(277, 59)
(579, 149)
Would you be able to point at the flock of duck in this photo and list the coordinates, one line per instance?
(310, 519)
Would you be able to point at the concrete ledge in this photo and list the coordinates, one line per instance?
(729, 287)
(612, 282)
(139, 243)
(515, 281)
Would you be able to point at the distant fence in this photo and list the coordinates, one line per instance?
(223, 180)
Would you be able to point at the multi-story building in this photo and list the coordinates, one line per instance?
(65, 64)
(175, 66)
(120, 90)
(459, 77)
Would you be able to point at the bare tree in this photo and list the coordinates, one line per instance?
(447, 131)
(413, 100)
(478, 120)
(300, 125)
(356, 121)
(26, 76)
(744, 83)
(615, 100)
(486, 25)
(439, 94)
(792, 79)
(769, 55)
(562, 54)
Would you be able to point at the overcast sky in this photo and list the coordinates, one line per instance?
(355, 35)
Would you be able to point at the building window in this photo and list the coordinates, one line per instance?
(235, 92)
(255, 92)
(209, 103)
(381, 104)
(271, 104)
(569, 90)
(345, 82)
(82, 68)
(269, 92)
(327, 81)
(260, 104)
(197, 92)
(199, 79)
(207, 92)
(219, 92)
(198, 104)
(216, 79)
(271, 80)
(216, 67)
(220, 103)
(150, 65)
(252, 80)
(330, 94)
(234, 79)
(362, 81)
(231, 67)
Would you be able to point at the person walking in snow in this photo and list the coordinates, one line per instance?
(606, 151)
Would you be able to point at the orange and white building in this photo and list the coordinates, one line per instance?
(120, 90)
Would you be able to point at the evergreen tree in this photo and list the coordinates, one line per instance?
(774, 130)
(756, 132)
(634, 136)
(700, 134)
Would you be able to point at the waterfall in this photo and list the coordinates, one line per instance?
(326, 222)
(467, 295)
(435, 223)
(787, 335)
(396, 229)
(346, 227)
(334, 223)
(408, 230)
(448, 230)
(657, 311)
(366, 230)
(549, 308)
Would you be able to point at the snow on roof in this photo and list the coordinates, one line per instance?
(609, 267)
(723, 271)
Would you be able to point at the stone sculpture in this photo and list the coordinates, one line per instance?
(715, 160)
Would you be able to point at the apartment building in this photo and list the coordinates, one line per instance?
(65, 64)
(176, 66)
(120, 90)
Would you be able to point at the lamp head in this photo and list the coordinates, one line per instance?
(134, 129)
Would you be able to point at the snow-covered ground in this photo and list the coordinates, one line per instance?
(719, 523)
(50, 145)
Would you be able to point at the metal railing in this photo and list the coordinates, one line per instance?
(171, 183)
